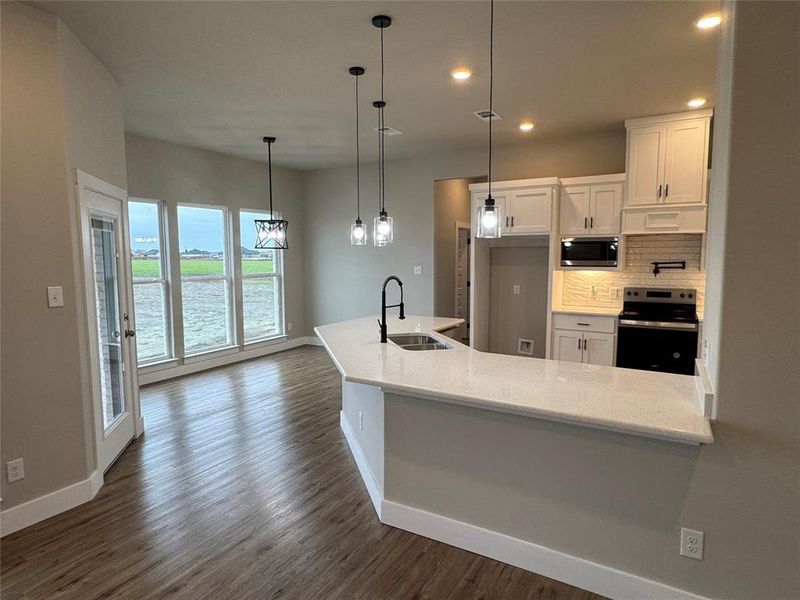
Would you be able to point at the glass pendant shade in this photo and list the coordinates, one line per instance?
(383, 230)
(489, 219)
(271, 234)
(358, 233)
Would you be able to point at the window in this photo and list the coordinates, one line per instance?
(205, 278)
(150, 281)
(262, 294)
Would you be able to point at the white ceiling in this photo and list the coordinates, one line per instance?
(220, 75)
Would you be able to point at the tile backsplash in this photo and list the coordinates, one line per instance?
(640, 251)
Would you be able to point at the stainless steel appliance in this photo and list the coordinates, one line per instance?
(589, 251)
(657, 330)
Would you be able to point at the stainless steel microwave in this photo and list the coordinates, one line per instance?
(589, 252)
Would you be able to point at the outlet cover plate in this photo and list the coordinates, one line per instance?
(15, 470)
(692, 542)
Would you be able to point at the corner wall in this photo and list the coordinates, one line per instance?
(61, 110)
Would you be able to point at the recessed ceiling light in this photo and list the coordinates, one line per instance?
(709, 21)
(526, 126)
(461, 74)
(696, 102)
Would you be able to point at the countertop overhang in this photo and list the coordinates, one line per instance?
(655, 405)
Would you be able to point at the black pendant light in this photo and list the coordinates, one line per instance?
(358, 233)
(271, 233)
(383, 226)
(489, 214)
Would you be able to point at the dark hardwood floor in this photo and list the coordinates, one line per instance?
(243, 487)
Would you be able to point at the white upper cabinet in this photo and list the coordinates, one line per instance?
(527, 204)
(686, 161)
(667, 173)
(530, 211)
(591, 205)
(667, 159)
(645, 165)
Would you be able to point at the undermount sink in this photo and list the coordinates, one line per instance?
(417, 341)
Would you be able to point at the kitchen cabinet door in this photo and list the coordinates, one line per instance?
(530, 211)
(567, 345)
(685, 165)
(605, 208)
(646, 149)
(598, 349)
(574, 210)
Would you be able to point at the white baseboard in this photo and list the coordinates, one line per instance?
(373, 488)
(313, 340)
(154, 376)
(570, 569)
(49, 505)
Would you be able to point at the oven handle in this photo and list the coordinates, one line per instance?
(658, 325)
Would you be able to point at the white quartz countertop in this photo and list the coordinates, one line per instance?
(600, 311)
(658, 405)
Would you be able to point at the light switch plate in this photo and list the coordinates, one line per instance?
(417, 269)
(55, 296)
(516, 289)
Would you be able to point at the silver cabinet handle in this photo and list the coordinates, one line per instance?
(666, 190)
(659, 190)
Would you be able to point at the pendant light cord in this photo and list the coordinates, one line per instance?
(491, 87)
(358, 162)
(269, 162)
(383, 136)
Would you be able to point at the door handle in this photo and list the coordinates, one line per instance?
(585, 341)
(659, 191)
(591, 222)
(579, 343)
(512, 220)
(666, 190)
(506, 221)
(585, 223)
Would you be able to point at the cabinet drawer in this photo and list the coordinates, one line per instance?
(584, 323)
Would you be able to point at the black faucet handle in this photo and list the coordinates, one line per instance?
(402, 311)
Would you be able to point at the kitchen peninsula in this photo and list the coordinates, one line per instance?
(495, 453)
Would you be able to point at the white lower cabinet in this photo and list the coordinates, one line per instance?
(590, 340)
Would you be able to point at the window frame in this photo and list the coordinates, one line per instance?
(229, 278)
(278, 276)
(164, 280)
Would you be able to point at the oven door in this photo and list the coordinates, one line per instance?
(589, 252)
(656, 349)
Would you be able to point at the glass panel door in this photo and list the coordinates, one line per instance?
(104, 232)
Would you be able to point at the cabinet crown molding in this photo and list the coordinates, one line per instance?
(593, 179)
(705, 113)
(515, 184)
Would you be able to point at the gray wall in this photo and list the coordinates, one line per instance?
(621, 500)
(512, 317)
(343, 281)
(174, 174)
(451, 201)
(61, 110)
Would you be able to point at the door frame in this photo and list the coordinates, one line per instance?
(84, 183)
(465, 327)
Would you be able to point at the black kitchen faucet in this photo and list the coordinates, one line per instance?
(382, 321)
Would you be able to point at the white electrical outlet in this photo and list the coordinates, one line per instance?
(360, 421)
(692, 543)
(706, 350)
(15, 470)
(55, 296)
(516, 289)
(289, 326)
(417, 269)
(613, 292)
